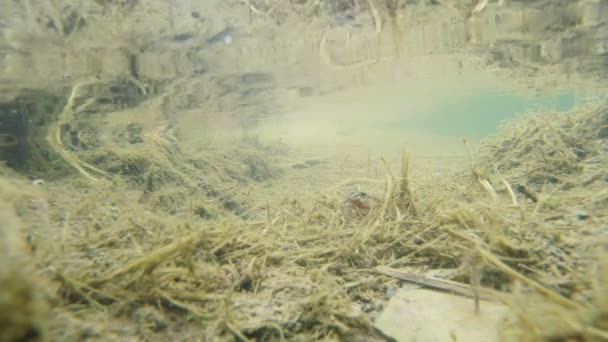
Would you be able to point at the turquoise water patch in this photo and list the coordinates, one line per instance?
(477, 115)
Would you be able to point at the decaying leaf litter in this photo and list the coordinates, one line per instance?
(147, 242)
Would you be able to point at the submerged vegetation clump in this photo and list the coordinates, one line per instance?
(24, 308)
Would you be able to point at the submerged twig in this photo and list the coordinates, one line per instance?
(151, 260)
(406, 197)
(440, 284)
(389, 192)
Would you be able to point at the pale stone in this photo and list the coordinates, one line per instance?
(426, 315)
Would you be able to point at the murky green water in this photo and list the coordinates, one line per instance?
(477, 115)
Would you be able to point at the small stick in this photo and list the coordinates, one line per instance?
(182, 305)
(388, 196)
(488, 187)
(405, 190)
(268, 220)
(507, 185)
(440, 284)
(475, 277)
(480, 177)
(151, 260)
(376, 16)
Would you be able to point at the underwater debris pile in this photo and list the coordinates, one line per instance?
(123, 268)
(543, 218)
